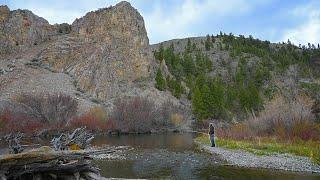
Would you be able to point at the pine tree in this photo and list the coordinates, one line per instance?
(217, 98)
(178, 89)
(198, 106)
(159, 55)
(188, 48)
(160, 81)
(208, 101)
(207, 43)
(249, 98)
(188, 65)
(213, 39)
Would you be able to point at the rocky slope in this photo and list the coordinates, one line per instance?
(247, 72)
(99, 57)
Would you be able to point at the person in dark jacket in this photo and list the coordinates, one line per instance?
(211, 134)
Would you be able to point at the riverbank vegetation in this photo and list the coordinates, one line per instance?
(266, 146)
(43, 113)
(230, 77)
(282, 127)
(253, 90)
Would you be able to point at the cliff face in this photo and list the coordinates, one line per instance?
(99, 50)
(104, 48)
(21, 29)
(98, 58)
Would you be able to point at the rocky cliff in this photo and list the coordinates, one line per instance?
(21, 29)
(99, 57)
(104, 48)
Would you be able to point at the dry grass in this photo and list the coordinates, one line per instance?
(281, 118)
(267, 145)
(284, 126)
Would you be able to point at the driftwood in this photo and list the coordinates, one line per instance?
(46, 163)
(79, 139)
(13, 141)
(52, 163)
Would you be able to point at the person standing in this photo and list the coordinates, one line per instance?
(211, 134)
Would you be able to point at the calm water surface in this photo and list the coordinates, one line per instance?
(175, 156)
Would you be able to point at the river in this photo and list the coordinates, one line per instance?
(176, 156)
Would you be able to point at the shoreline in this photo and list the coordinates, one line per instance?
(243, 159)
(54, 133)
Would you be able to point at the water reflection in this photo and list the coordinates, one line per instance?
(171, 141)
(175, 156)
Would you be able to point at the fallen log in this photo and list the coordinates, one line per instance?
(59, 162)
(45, 163)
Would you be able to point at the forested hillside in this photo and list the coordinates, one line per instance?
(231, 77)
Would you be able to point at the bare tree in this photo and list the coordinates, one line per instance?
(48, 107)
(134, 114)
(139, 114)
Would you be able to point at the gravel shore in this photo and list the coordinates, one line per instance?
(285, 162)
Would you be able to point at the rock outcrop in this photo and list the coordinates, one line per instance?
(21, 29)
(105, 47)
(98, 58)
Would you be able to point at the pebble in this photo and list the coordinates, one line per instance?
(244, 159)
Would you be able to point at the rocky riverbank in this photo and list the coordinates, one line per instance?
(244, 159)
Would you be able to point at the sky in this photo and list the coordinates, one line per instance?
(273, 20)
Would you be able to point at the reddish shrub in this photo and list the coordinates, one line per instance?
(110, 125)
(88, 120)
(237, 131)
(4, 119)
(305, 130)
(17, 122)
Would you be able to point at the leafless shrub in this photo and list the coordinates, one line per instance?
(139, 114)
(48, 108)
(170, 115)
(134, 114)
(284, 118)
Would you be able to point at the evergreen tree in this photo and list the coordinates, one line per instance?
(188, 65)
(213, 39)
(198, 106)
(249, 98)
(194, 47)
(159, 55)
(160, 81)
(178, 89)
(207, 43)
(217, 99)
(188, 48)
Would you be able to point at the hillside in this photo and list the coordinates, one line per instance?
(102, 57)
(214, 106)
(97, 60)
(231, 77)
(104, 60)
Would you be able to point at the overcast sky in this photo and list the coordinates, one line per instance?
(273, 20)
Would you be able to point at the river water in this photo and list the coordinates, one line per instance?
(176, 156)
